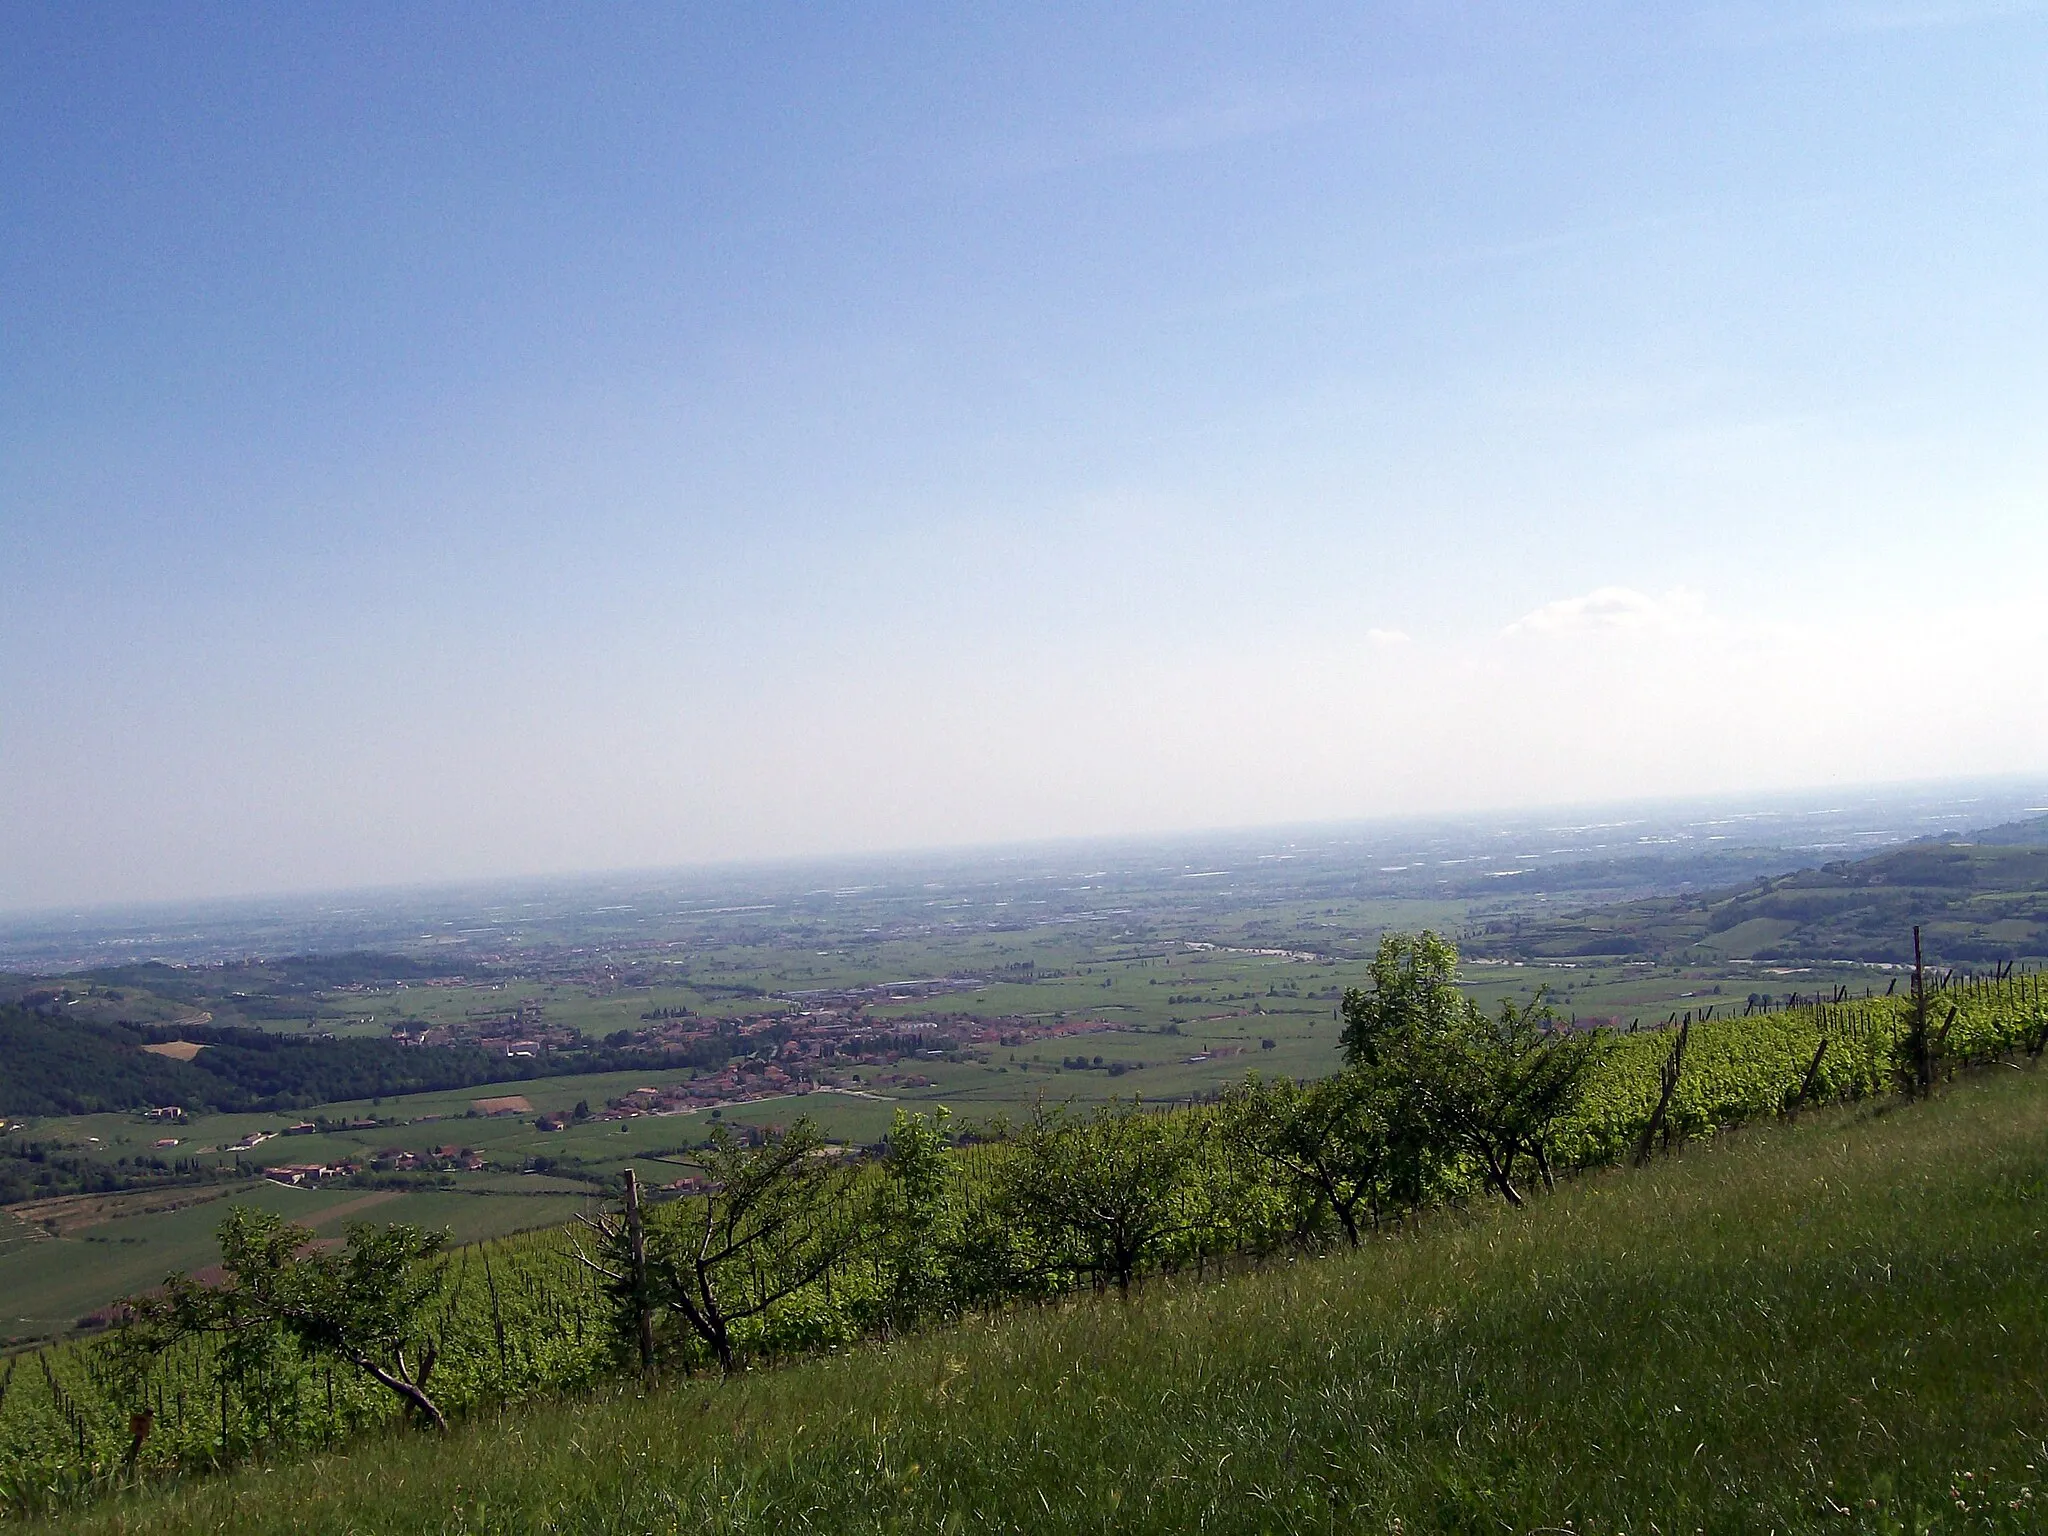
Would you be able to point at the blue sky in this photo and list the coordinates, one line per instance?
(456, 440)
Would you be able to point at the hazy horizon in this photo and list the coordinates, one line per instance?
(1966, 804)
(452, 444)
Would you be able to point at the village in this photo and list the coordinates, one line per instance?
(814, 1041)
(817, 1038)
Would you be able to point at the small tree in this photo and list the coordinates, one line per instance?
(1350, 1144)
(916, 1220)
(364, 1306)
(1497, 1087)
(1102, 1195)
(1491, 1089)
(621, 1267)
(1414, 998)
(773, 1219)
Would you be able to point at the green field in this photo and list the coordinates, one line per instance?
(1160, 1002)
(49, 1282)
(1830, 1325)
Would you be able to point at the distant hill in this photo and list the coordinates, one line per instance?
(53, 1063)
(2031, 833)
(254, 992)
(59, 1067)
(1980, 900)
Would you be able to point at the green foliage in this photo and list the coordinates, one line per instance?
(1348, 1148)
(32, 1169)
(61, 1066)
(1498, 1089)
(1414, 998)
(516, 1318)
(1453, 1081)
(1833, 1325)
(1103, 1196)
(784, 1249)
(624, 1273)
(773, 1221)
(364, 1307)
(917, 1218)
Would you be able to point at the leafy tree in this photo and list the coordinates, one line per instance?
(1491, 1089)
(364, 1306)
(1414, 998)
(917, 1222)
(1350, 1145)
(1102, 1195)
(1498, 1087)
(773, 1220)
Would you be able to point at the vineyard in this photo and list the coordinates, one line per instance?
(857, 1248)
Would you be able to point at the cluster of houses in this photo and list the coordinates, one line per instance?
(306, 1175)
(387, 1160)
(522, 1032)
(735, 1085)
(828, 1028)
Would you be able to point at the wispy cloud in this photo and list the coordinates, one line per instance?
(1230, 115)
(1611, 610)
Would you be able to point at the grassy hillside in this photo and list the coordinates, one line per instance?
(1834, 1325)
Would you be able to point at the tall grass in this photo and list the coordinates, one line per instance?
(1839, 1324)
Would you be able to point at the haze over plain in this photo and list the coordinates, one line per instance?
(459, 442)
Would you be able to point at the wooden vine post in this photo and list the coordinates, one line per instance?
(1919, 1035)
(1667, 1081)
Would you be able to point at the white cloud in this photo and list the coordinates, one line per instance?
(1614, 609)
(1389, 638)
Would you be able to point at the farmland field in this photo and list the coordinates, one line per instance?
(1163, 974)
(1220, 1007)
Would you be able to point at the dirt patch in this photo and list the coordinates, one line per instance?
(15, 1232)
(512, 1104)
(348, 1208)
(75, 1213)
(177, 1050)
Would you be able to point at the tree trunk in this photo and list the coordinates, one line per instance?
(1502, 1171)
(710, 1320)
(421, 1403)
(1350, 1224)
(1341, 1206)
(636, 1237)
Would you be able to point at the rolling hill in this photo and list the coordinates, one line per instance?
(1980, 901)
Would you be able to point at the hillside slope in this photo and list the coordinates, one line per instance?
(1829, 1326)
(1980, 902)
